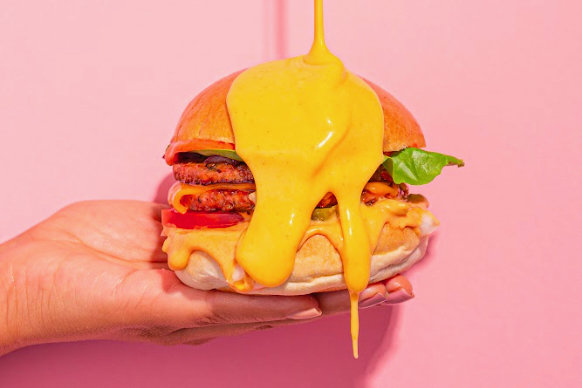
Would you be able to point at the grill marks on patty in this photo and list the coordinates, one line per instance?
(194, 169)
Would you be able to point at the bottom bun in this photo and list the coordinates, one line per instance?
(318, 265)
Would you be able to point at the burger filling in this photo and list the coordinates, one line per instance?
(216, 189)
(198, 170)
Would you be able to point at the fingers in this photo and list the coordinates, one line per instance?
(336, 302)
(394, 290)
(158, 296)
(399, 289)
(203, 315)
(226, 307)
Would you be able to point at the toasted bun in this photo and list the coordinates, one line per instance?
(206, 124)
(318, 265)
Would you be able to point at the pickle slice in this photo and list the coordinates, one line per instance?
(231, 154)
(323, 213)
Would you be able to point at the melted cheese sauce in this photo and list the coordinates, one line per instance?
(305, 126)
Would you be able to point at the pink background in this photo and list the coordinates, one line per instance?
(90, 92)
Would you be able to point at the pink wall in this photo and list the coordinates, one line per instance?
(90, 93)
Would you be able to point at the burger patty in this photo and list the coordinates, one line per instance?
(194, 171)
(198, 170)
(220, 200)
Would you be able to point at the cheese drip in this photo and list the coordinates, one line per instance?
(305, 126)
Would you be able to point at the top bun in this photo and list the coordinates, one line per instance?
(205, 123)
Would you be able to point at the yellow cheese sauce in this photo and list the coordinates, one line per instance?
(305, 126)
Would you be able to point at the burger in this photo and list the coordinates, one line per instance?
(292, 178)
(215, 195)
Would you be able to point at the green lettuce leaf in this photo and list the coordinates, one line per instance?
(231, 154)
(417, 167)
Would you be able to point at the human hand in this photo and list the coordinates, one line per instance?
(95, 270)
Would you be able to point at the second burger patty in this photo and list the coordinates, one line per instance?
(194, 169)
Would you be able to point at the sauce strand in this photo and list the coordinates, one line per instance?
(355, 321)
(319, 52)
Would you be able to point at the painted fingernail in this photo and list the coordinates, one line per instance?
(305, 314)
(399, 296)
(372, 301)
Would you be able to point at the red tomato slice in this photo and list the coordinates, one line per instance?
(198, 220)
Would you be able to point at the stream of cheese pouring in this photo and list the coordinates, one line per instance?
(306, 126)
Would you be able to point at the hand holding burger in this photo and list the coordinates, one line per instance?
(95, 270)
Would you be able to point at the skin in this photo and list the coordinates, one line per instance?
(95, 270)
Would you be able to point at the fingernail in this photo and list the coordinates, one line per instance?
(305, 314)
(375, 300)
(399, 296)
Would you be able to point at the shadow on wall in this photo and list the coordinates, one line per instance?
(161, 194)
